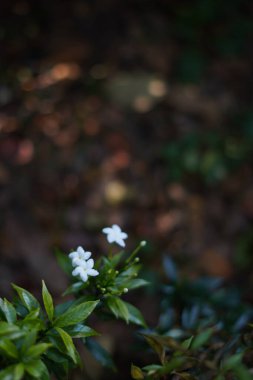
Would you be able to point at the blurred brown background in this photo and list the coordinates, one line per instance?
(137, 113)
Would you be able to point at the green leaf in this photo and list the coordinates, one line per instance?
(173, 364)
(186, 344)
(242, 372)
(28, 300)
(76, 314)
(233, 361)
(29, 340)
(7, 373)
(35, 368)
(136, 373)
(136, 283)
(74, 288)
(99, 353)
(8, 311)
(118, 307)
(152, 368)
(135, 315)
(8, 349)
(201, 339)
(156, 346)
(18, 371)
(32, 316)
(36, 350)
(80, 331)
(56, 355)
(115, 260)
(48, 302)
(68, 342)
(7, 329)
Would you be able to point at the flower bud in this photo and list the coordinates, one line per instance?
(125, 290)
(143, 243)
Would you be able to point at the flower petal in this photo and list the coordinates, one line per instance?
(87, 255)
(111, 238)
(80, 250)
(77, 262)
(84, 276)
(76, 271)
(120, 242)
(92, 272)
(90, 263)
(106, 230)
(123, 235)
(73, 255)
(116, 228)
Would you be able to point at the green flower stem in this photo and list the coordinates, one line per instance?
(134, 253)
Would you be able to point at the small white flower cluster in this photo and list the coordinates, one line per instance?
(81, 260)
(83, 264)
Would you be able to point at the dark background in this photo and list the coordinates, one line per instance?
(137, 113)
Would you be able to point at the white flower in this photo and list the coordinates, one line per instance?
(115, 235)
(83, 266)
(79, 254)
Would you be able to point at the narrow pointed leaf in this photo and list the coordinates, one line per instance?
(80, 331)
(8, 349)
(201, 339)
(136, 373)
(28, 300)
(36, 350)
(99, 353)
(69, 345)
(118, 308)
(8, 311)
(35, 368)
(75, 314)
(135, 315)
(18, 371)
(48, 302)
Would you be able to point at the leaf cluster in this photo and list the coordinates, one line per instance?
(37, 341)
(203, 332)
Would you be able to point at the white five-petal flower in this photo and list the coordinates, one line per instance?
(115, 235)
(83, 264)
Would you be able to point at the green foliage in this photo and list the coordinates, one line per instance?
(33, 341)
(203, 331)
(37, 342)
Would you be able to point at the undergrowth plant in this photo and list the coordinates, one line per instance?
(204, 332)
(37, 338)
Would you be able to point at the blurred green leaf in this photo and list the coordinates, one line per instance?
(36, 368)
(201, 339)
(68, 342)
(48, 302)
(8, 311)
(8, 349)
(80, 331)
(36, 350)
(99, 353)
(134, 315)
(28, 300)
(136, 373)
(118, 307)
